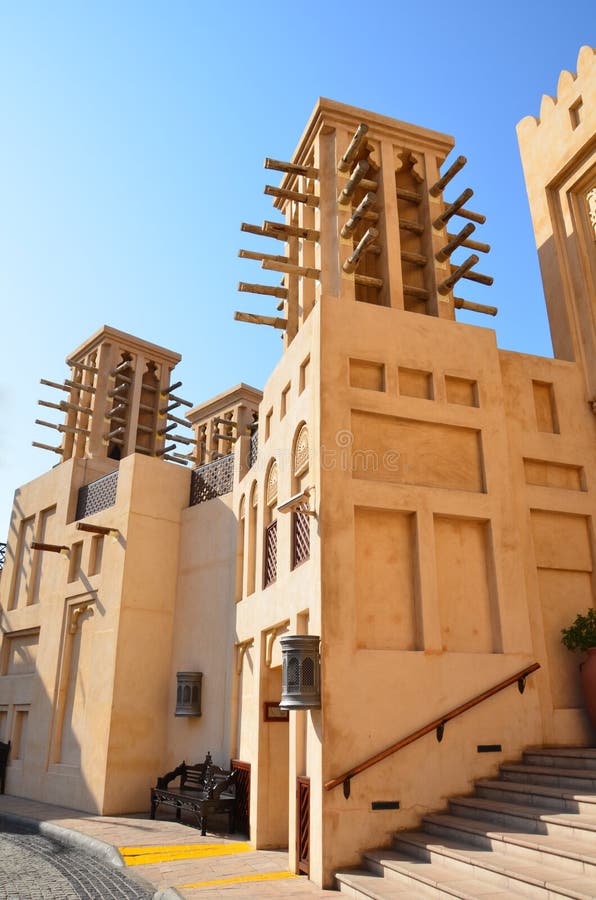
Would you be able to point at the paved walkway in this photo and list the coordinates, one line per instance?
(173, 858)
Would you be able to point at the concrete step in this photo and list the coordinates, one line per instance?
(570, 856)
(539, 795)
(502, 814)
(561, 757)
(499, 871)
(433, 878)
(365, 883)
(577, 779)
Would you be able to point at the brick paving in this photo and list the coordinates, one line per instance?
(218, 857)
(35, 867)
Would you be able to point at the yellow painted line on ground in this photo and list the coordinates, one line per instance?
(143, 856)
(240, 879)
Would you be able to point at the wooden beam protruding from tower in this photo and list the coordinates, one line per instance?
(455, 241)
(265, 289)
(291, 269)
(354, 180)
(454, 207)
(472, 245)
(363, 210)
(353, 148)
(475, 307)
(296, 196)
(458, 273)
(261, 320)
(370, 235)
(451, 172)
(291, 168)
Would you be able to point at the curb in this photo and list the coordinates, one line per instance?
(93, 846)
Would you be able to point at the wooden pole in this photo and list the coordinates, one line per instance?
(182, 439)
(163, 431)
(79, 387)
(163, 394)
(66, 429)
(180, 401)
(59, 450)
(266, 289)
(368, 281)
(409, 196)
(479, 278)
(255, 254)
(353, 148)
(273, 229)
(218, 420)
(65, 406)
(253, 229)
(454, 242)
(261, 320)
(302, 271)
(121, 367)
(51, 548)
(354, 180)
(475, 307)
(170, 458)
(112, 434)
(178, 421)
(296, 196)
(370, 235)
(472, 245)
(472, 216)
(365, 206)
(60, 387)
(115, 392)
(83, 366)
(291, 168)
(451, 210)
(417, 259)
(97, 529)
(408, 225)
(458, 273)
(165, 450)
(419, 293)
(449, 174)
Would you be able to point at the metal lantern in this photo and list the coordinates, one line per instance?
(301, 672)
(188, 693)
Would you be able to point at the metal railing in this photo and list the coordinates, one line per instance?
(97, 495)
(212, 480)
(437, 725)
(2, 556)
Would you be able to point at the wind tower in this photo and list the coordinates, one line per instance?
(119, 400)
(366, 219)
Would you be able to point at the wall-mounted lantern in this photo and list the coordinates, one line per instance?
(301, 671)
(188, 693)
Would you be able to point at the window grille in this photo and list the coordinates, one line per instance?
(301, 538)
(97, 495)
(270, 554)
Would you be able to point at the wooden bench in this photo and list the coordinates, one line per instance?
(204, 791)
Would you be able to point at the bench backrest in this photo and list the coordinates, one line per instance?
(194, 777)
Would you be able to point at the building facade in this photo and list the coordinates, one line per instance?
(402, 491)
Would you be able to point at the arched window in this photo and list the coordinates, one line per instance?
(252, 539)
(300, 521)
(270, 522)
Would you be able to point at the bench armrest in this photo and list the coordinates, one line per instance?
(164, 781)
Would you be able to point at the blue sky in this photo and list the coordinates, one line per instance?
(132, 148)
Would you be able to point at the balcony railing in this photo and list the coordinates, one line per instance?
(212, 480)
(97, 495)
(2, 556)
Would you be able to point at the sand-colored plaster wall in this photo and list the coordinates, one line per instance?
(452, 592)
(158, 493)
(73, 616)
(204, 636)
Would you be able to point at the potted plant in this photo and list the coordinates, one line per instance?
(581, 635)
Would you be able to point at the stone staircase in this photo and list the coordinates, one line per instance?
(530, 833)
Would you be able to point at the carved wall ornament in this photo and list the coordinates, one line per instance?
(271, 490)
(301, 451)
(591, 201)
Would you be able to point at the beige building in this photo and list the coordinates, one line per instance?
(417, 499)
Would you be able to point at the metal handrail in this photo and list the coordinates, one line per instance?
(437, 725)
